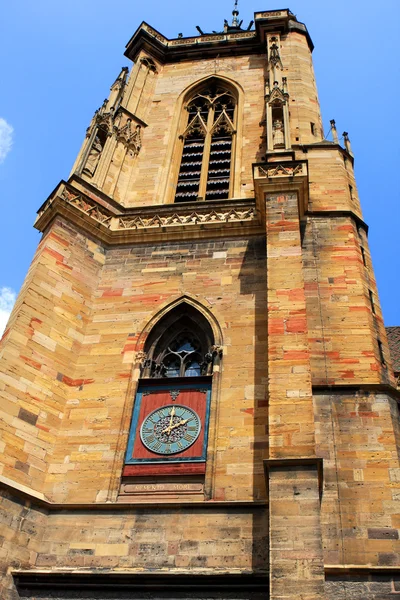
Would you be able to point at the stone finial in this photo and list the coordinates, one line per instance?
(347, 142)
(235, 13)
(334, 131)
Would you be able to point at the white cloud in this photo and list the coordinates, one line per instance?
(7, 299)
(6, 139)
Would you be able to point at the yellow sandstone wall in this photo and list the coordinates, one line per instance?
(39, 349)
(227, 277)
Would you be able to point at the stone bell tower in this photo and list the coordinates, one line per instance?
(197, 398)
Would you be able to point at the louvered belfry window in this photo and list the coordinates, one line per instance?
(206, 164)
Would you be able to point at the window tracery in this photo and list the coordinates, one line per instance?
(181, 346)
(206, 164)
(181, 358)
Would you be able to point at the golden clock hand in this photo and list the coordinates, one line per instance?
(172, 416)
(179, 424)
(168, 429)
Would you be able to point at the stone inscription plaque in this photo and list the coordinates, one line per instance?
(163, 488)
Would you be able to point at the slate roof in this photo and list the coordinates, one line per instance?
(393, 334)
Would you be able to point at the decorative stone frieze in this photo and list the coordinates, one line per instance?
(196, 215)
(289, 169)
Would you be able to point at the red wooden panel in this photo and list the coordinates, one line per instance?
(165, 469)
(195, 399)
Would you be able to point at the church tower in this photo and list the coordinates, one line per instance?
(197, 397)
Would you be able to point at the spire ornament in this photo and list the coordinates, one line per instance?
(235, 27)
(235, 13)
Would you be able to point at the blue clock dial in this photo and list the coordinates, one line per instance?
(170, 429)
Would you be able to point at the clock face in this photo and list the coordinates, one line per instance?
(170, 429)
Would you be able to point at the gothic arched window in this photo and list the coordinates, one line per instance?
(182, 346)
(207, 155)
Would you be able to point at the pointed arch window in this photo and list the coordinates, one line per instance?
(206, 167)
(182, 347)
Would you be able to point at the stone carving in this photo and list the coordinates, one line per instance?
(181, 41)
(196, 125)
(86, 206)
(129, 137)
(217, 350)
(243, 34)
(272, 13)
(174, 394)
(274, 55)
(94, 157)
(223, 123)
(149, 64)
(282, 170)
(278, 134)
(193, 218)
(102, 118)
(155, 34)
(141, 358)
(211, 38)
(276, 95)
(212, 357)
(137, 222)
(115, 123)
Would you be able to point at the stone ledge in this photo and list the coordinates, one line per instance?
(232, 580)
(169, 222)
(337, 214)
(41, 501)
(340, 570)
(380, 388)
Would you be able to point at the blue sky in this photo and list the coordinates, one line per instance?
(58, 60)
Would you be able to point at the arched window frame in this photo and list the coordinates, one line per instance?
(180, 125)
(162, 345)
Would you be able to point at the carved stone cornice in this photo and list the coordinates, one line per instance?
(215, 44)
(113, 225)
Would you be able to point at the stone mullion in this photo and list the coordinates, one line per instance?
(296, 557)
(232, 166)
(206, 155)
